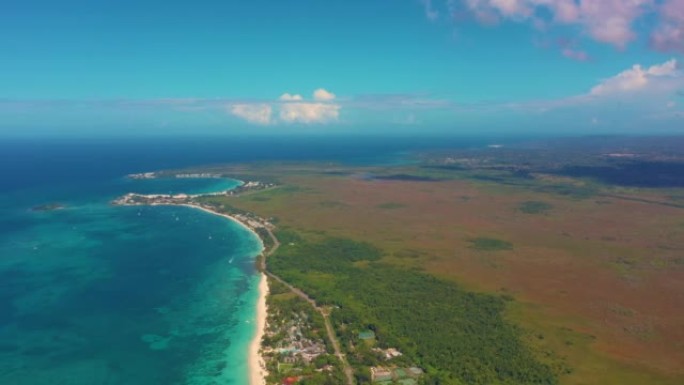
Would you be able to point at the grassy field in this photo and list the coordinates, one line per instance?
(596, 272)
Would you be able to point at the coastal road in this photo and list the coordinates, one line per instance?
(348, 372)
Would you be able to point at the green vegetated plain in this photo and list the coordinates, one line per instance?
(457, 335)
(490, 244)
(474, 345)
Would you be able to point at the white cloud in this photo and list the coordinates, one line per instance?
(295, 110)
(309, 113)
(253, 113)
(512, 8)
(637, 78)
(667, 68)
(669, 35)
(606, 21)
(564, 11)
(291, 108)
(290, 97)
(323, 95)
(635, 91)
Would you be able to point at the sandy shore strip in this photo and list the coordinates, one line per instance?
(257, 366)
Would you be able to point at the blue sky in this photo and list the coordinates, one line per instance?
(222, 66)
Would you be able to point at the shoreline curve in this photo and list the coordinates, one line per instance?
(257, 366)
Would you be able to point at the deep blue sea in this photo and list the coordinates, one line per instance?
(95, 294)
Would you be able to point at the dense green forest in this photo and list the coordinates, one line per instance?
(458, 337)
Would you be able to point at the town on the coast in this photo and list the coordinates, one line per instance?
(299, 345)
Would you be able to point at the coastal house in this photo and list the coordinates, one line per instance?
(388, 353)
(289, 360)
(290, 380)
(380, 374)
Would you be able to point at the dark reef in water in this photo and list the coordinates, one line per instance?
(48, 207)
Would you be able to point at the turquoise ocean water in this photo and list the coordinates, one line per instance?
(99, 295)
(96, 294)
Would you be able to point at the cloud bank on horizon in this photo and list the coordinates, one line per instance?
(659, 85)
(636, 92)
(663, 78)
(290, 108)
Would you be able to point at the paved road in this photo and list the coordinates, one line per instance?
(349, 373)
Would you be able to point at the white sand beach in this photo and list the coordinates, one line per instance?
(257, 366)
